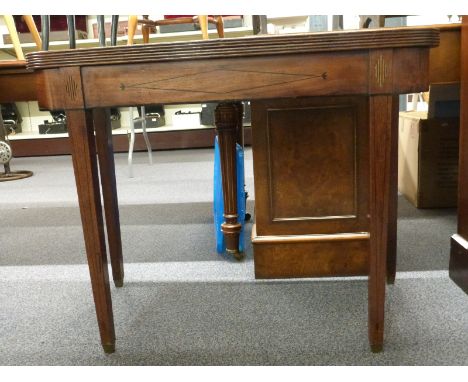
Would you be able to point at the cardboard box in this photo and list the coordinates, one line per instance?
(428, 160)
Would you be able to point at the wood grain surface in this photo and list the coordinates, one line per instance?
(381, 130)
(311, 165)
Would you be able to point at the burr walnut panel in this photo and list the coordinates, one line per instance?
(311, 175)
(300, 138)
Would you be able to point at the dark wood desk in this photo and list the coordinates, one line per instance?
(375, 65)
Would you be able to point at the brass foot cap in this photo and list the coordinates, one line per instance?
(108, 348)
(118, 283)
(376, 348)
(236, 254)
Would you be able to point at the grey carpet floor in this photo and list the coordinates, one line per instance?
(182, 304)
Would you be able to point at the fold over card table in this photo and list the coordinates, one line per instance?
(323, 186)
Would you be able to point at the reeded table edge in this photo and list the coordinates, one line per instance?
(250, 46)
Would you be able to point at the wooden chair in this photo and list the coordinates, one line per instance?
(148, 25)
(10, 24)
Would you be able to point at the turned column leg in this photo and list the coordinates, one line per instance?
(393, 201)
(380, 119)
(240, 127)
(79, 123)
(102, 126)
(226, 121)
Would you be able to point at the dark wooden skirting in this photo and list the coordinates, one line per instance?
(458, 267)
(40, 147)
(310, 255)
(163, 140)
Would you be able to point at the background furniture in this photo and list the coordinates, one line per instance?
(163, 138)
(16, 83)
(458, 268)
(148, 25)
(10, 23)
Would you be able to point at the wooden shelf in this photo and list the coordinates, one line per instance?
(160, 138)
(120, 131)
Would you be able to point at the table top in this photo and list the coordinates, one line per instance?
(13, 67)
(8, 64)
(250, 46)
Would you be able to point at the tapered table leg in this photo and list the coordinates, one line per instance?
(102, 126)
(380, 119)
(227, 121)
(393, 202)
(79, 123)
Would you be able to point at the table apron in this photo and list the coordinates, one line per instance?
(250, 78)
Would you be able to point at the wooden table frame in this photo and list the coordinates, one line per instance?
(379, 64)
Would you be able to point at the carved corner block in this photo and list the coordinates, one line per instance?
(60, 89)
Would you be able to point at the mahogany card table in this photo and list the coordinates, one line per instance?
(323, 109)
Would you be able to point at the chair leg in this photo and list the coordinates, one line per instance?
(132, 24)
(45, 29)
(203, 20)
(28, 19)
(145, 31)
(101, 30)
(145, 135)
(10, 23)
(132, 143)
(220, 26)
(114, 29)
(71, 31)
